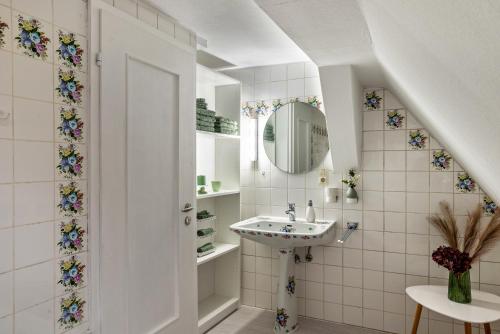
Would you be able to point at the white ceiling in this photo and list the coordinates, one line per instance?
(237, 31)
(331, 32)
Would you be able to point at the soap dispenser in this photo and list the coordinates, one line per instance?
(310, 214)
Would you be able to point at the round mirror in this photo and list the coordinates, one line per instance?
(295, 137)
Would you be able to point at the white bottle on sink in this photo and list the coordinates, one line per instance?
(310, 214)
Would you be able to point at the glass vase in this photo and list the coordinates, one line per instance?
(459, 289)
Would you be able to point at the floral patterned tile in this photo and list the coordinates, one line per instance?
(395, 119)
(417, 139)
(71, 311)
(314, 101)
(489, 206)
(71, 199)
(441, 160)
(373, 99)
(70, 124)
(71, 273)
(70, 50)
(464, 183)
(70, 87)
(71, 236)
(5, 29)
(32, 37)
(70, 161)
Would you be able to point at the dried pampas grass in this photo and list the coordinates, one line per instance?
(472, 229)
(488, 238)
(446, 225)
(476, 242)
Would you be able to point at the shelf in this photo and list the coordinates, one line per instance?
(220, 249)
(222, 192)
(213, 309)
(218, 135)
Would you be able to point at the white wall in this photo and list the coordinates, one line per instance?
(362, 282)
(30, 219)
(342, 95)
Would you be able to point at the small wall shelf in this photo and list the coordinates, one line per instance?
(219, 135)
(220, 249)
(223, 192)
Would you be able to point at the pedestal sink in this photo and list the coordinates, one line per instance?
(286, 235)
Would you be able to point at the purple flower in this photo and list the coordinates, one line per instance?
(452, 259)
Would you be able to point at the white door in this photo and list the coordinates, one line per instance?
(147, 172)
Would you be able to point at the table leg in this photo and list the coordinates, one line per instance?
(416, 319)
(487, 328)
(468, 328)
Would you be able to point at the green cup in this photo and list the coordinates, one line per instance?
(216, 186)
(201, 180)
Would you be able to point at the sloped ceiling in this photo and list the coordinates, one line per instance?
(442, 59)
(237, 31)
(331, 32)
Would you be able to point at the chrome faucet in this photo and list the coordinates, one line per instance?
(291, 212)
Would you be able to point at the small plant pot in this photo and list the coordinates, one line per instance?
(216, 186)
(351, 196)
(459, 288)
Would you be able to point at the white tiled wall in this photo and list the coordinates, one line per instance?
(363, 282)
(30, 295)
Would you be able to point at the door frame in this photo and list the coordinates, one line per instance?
(94, 148)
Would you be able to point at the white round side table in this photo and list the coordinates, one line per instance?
(484, 308)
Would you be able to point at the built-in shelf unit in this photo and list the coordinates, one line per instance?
(218, 158)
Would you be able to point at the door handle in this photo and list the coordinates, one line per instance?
(187, 207)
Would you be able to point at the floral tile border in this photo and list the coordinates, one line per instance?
(5, 29)
(71, 310)
(71, 236)
(489, 206)
(417, 139)
(71, 161)
(395, 119)
(70, 50)
(441, 160)
(71, 199)
(70, 87)
(464, 183)
(373, 99)
(70, 124)
(71, 273)
(33, 37)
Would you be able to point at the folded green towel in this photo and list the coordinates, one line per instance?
(204, 232)
(205, 128)
(205, 248)
(205, 112)
(204, 123)
(203, 214)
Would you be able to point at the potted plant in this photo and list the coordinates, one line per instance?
(351, 181)
(458, 259)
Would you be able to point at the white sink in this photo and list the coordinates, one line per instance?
(282, 233)
(286, 235)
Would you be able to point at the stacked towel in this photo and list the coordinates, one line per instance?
(205, 232)
(204, 214)
(201, 103)
(205, 119)
(226, 126)
(205, 248)
(269, 132)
